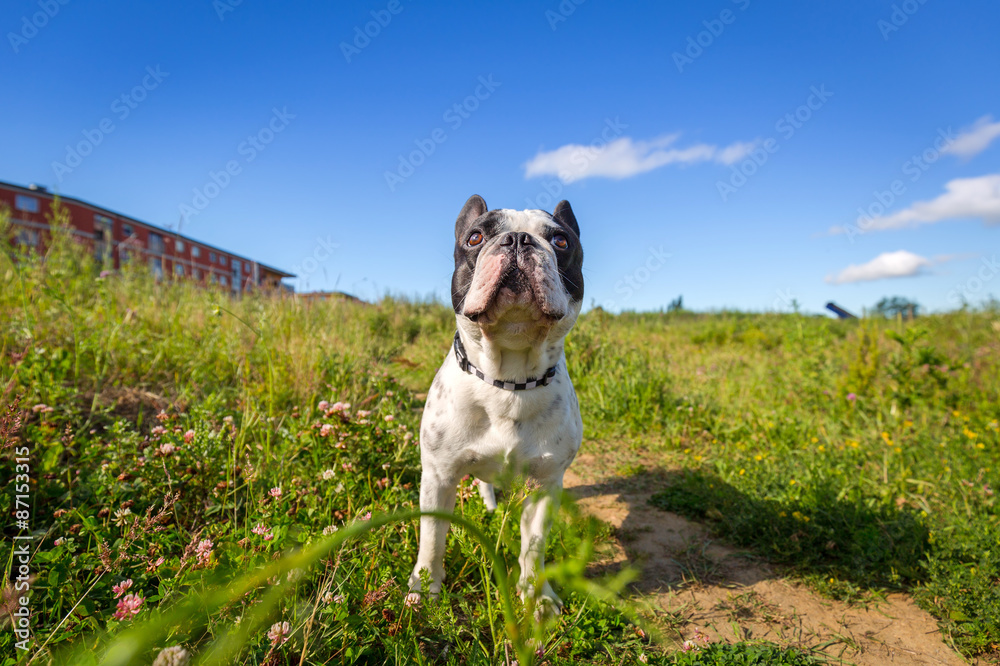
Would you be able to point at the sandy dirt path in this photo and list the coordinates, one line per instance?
(727, 594)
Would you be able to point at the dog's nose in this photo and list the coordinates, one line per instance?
(517, 239)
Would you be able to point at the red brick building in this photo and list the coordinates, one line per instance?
(116, 239)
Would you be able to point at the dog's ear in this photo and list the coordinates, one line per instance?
(564, 215)
(472, 209)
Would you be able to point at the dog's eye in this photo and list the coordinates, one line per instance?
(475, 238)
(560, 242)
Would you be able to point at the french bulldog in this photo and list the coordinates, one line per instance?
(502, 403)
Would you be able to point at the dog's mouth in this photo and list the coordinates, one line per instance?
(514, 280)
(510, 286)
(516, 297)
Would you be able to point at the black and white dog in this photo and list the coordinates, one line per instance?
(502, 402)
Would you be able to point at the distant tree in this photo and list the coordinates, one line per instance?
(676, 305)
(897, 305)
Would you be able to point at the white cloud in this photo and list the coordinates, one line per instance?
(886, 265)
(624, 158)
(975, 139)
(735, 152)
(965, 198)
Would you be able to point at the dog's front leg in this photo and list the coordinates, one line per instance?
(437, 493)
(536, 518)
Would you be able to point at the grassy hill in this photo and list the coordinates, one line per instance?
(183, 440)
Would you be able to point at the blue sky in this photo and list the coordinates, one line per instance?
(640, 114)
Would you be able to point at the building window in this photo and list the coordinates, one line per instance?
(27, 237)
(178, 246)
(222, 260)
(179, 269)
(211, 257)
(246, 266)
(195, 251)
(156, 266)
(26, 203)
(222, 280)
(195, 273)
(103, 223)
(127, 230)
(156, 243)
(102, 238)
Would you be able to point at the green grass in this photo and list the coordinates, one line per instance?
(127, 392)
(891, 490)
(743, 654)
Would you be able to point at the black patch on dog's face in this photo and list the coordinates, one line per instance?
(571, 259)
(476, 217)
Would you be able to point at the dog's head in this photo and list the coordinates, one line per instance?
(517, 269)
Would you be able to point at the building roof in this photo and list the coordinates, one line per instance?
(40, 190)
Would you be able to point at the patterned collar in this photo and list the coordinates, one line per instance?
(466, 365)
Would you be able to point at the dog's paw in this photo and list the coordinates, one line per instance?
(547, 602)
(548, 607)
(418, 585)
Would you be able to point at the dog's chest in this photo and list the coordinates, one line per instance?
(477, 429)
